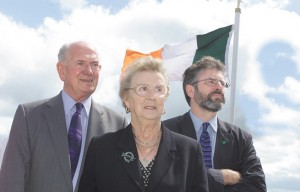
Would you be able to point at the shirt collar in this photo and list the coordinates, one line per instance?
(69, 102)
(198, 122)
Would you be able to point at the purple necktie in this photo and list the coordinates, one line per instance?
(206, 145)
(74, 136)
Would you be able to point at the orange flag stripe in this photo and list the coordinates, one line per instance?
(131, 55)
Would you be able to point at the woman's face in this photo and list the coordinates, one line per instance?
(146, 96)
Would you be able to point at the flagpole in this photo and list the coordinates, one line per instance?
(234, 61)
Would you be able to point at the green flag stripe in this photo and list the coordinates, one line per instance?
(213, 44)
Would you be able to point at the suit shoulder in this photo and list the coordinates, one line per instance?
(106, 110)
(37, 103)
(234, 128)
(184, 140)
(171, 122)
(173, 119)
(183, 137)
(109, 137)
(178, 118)
(33, 105)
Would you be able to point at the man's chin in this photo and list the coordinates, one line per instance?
(213, 107)
(218, 100)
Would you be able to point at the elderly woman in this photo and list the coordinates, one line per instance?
(145, 156)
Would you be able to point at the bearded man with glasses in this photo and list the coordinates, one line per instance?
(228, 151)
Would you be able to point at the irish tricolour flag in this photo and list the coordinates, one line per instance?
(176, 58)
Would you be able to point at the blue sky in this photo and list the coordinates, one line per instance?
(268, 74)
(33, 12)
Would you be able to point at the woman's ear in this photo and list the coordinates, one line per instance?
(125, 100)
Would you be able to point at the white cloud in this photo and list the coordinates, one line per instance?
(5, 125)
(72, 4)
(290, 88)
(279, 114)
(280, 160)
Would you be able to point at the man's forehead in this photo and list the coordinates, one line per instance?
(211, 72)
(91, 56)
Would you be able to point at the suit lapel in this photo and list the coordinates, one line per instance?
(95, 121)
(224, 140)
(55, 118)
(93, 129)
(186, 126)
(223, 147)
(164, 159)
(129, 156)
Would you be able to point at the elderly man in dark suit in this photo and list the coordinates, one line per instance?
(37, 157)
(228, 151)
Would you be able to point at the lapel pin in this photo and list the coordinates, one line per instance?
(128, 156)
(224, 141)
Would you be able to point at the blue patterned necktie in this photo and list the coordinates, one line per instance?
(74, 136)
(206, 145)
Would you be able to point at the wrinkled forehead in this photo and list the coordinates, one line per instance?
(84, 56)
(148, 77)
(93, 56)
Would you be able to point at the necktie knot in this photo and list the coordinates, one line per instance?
(79, 107)
(205, 126)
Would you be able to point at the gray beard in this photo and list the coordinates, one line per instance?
(207, 103)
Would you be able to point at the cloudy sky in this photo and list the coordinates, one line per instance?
(268, 72)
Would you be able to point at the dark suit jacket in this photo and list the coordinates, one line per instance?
(234, 150)
(36, 158)
(178, 166)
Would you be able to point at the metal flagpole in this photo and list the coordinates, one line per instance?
(234, 61)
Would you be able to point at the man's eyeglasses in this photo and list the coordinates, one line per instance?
(145, 90)
(213, 82)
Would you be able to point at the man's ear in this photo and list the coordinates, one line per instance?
(61, 70)
(190, 90)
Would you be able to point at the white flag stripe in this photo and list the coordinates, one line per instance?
(177, 58)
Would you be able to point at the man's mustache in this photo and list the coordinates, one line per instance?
(216, 92)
